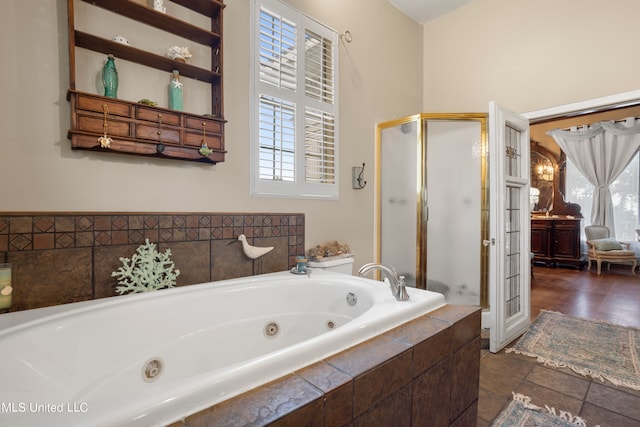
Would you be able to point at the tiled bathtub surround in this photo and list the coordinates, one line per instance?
(423, 373)
(60, 258)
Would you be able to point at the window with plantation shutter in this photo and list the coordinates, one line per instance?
(294, 129)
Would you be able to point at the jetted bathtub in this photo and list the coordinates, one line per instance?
(154, 358)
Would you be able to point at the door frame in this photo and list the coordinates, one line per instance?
(581, 107)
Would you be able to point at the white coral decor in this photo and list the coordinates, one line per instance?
(179, 53)
(147, 270)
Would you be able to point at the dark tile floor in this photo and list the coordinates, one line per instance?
(613, 296)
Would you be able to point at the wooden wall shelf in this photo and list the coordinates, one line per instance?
(141, 129)
(162, 21)
(143, 57)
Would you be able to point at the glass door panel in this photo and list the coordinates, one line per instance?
(454, 202)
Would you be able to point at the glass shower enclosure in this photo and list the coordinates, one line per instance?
(431, 191)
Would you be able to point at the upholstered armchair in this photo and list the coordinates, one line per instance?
(603, 248)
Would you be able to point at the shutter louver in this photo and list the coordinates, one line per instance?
(319, 72)
(278, 58)
(320, 149)
(277, 139)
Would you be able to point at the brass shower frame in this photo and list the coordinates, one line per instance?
(421, 121)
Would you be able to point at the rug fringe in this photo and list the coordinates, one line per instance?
(578, 370)
(525, 401)
(564, 415)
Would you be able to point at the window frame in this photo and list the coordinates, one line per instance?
(297, 188)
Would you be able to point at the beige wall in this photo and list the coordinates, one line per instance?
(380, 78)
(530, 54)
(527, 55)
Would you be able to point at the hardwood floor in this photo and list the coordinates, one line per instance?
(613, 296)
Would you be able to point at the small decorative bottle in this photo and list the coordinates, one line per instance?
(175, 92)
(110, 78)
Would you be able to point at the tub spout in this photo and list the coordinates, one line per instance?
(398, 288)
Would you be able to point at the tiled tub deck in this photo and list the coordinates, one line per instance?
(423, 373)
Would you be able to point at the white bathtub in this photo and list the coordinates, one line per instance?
(83, 363)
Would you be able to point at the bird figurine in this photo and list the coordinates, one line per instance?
(253, 252)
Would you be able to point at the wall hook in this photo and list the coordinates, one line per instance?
(357, 177)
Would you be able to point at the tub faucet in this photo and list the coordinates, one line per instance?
(398, 288)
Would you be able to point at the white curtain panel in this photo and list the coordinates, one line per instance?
(601, 152)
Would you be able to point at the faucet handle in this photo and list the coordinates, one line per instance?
(401, 294)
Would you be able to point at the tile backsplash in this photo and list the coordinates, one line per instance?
(59, 258)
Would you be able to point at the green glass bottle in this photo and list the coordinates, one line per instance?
(110, 78)
(175, 91)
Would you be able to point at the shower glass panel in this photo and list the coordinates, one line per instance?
(454, 201)
(398, 199)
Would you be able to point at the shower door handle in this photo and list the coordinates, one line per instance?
(486, 242)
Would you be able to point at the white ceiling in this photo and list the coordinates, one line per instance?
(424, 11)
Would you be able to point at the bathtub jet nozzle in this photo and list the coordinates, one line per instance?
(271, 329)
(152, 369)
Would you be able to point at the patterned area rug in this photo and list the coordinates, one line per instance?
(522, 413)
(599, 349)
